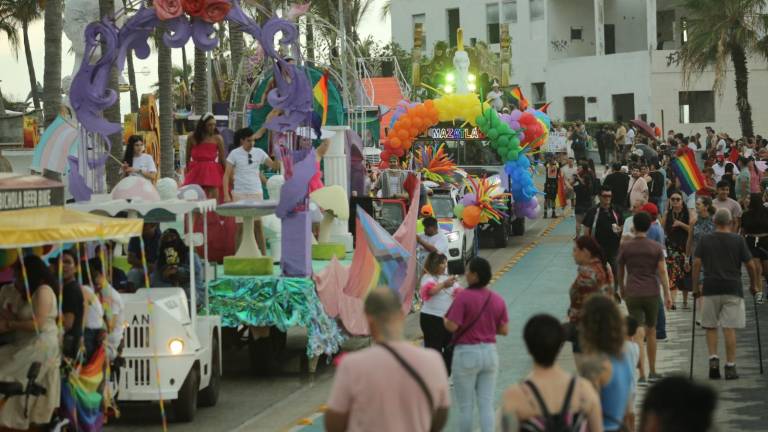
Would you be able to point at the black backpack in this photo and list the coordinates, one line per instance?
(557, 422)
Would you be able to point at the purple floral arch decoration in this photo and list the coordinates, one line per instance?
(90, 95)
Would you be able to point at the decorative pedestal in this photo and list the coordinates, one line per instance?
(335, 172)
(326, 251)
(244, 266)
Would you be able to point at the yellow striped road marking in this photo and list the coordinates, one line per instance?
(525, 250)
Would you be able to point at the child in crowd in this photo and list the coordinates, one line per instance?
(632, 350)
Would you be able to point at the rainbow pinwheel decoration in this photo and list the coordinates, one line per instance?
(483, 202)
(436, 166)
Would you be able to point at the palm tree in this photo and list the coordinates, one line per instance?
(723, 31)
(52, 71)
(112, 114)
(200, 82)
(134, 93)
(21, 13)
(165, 77)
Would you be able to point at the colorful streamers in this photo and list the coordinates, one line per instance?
(436, 166)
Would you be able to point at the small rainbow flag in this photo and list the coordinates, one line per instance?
(685, 168)
(522, 102)
(561, 199)
(81, 396)
(320, 92)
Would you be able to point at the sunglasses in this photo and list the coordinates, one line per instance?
(250, 159)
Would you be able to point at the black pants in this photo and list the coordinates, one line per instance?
(437, 337)
(602, 153)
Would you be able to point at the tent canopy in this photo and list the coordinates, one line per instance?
(42, 226)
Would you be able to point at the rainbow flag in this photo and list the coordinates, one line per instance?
(561, 200)
(81, 395)
(379, 259)
(685, 168)
(522, 102)
(60, 140)
(320, 92)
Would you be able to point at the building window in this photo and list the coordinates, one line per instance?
(575, 108)
(576, 33)
(454, 22)
(509, 11)
(420, 19)
(697, 107)
(537, 10)
(492, 20)
(539, 93)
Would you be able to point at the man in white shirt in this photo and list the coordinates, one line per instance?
(569, 172)
(243, 164)
(433, 239)
(494, 97)
(638, 188)
(721, 144)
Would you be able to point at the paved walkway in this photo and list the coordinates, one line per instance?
(537, 281)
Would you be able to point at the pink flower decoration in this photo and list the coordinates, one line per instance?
(168, 9)
(215, 10)
(193, 7)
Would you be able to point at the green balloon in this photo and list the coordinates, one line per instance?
(458, 210)
(493, 133)
(482, 121)
(503, 140)
(514, 142)
(513, 155)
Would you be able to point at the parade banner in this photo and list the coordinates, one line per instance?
(557, 142)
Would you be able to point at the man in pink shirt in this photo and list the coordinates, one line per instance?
(391, 386)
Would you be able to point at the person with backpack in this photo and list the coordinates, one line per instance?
(605, 362)
(476, 316)
(550, 399)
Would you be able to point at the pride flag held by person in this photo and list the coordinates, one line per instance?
(561, 200)
(685, 168)
(320, 93)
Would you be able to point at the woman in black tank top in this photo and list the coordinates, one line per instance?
(676, 224)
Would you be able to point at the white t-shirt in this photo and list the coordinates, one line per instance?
(568, 172)
(495, 97)
(94, 312)
(630, 138)
(247, 175)
(721, 144)
(144, 163)
(116, 310)
(439, 303)
(439, 241)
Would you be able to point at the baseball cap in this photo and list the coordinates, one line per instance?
(651, 209)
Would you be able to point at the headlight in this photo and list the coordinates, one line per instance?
(453, 236)
(176, 346)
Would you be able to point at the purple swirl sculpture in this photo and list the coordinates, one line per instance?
(90, 95)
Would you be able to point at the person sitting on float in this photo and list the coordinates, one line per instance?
(136, 162)
(173, 265)
(33, 324)
(150, 233)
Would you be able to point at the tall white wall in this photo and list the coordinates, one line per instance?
(562, 16)
(629, 17)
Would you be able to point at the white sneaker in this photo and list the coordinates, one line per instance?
(759, 298)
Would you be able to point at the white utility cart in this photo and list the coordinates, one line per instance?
(170, 352)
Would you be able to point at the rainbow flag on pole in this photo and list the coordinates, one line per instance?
(81, 394)
(685, 168)
(320, 93)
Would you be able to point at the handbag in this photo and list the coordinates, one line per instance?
(464, 329)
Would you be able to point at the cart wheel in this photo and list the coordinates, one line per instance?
(501, 239)
(209, 396)
(518, 226)
(185, 406)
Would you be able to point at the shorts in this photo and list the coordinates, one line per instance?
(726, 311)
(644, 309)
(239, 196)
(758, 247)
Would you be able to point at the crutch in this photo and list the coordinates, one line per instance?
(693, 335)
(759, 345)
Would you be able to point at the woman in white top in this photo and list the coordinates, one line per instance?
(437, 289)
(243, 164)
(136, 162)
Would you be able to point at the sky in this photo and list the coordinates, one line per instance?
(14, 79)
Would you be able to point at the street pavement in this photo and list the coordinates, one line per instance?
(533, 275)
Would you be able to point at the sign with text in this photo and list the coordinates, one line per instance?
(26, 192)
(557, 143)
(455, 133)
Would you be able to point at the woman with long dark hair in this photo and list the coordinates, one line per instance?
(437, 290)
(677, 225)
(594, 277)
(754, 228)
(136, 162)
(33, 323)
(476, 316)
(205, 156)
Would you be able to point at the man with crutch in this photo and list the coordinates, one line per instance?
(721, 255)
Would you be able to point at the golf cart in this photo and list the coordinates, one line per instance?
(461, 241)
(170, 352)
(493, 234)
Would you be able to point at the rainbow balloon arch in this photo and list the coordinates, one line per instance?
(513, 136)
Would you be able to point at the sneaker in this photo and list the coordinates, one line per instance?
(714, 368)
(759, 298)
(730, 372)
(654, 377)
(642, 381)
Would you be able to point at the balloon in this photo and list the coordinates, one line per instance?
(402, 134)
(8, 257)
(399, 152)
(513, 155)
(527, 118)
(469, 199)
(395, 143)
(514, 142)
(429, 104)
(414, 132)
(385, 155)
(471, 216)
(404, 122)
(504, 141)
(482, 122)
(458, 210)
(493, 133)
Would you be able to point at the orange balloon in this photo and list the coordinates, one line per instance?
(404, 122)
(395, 143)
(429, 103)
(471, 216)
(407, 144)
(414, 132)
(402, 134)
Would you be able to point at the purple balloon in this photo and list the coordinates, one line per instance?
(515, 115)
(469, 199)
(515, 125)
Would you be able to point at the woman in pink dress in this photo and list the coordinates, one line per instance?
(205, 156)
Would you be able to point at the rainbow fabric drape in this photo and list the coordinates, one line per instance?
(81, 394)
(320, 93)
(685, 168)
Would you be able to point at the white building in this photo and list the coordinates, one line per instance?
(626, 70)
